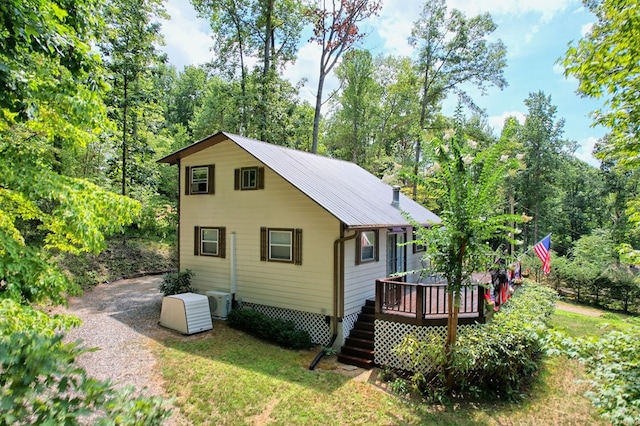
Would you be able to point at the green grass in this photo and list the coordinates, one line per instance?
(226, 377)
(579, 325)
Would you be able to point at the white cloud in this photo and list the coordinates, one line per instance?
(585, 149)
(586, 29)
(306, 69)
(497, 121)
(547, 8)
(394, 25)
(187, 37)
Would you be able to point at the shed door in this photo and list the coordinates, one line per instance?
(395, 253)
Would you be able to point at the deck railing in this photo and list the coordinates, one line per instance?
(425, 303)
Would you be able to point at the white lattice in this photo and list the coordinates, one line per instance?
(315, 324)
(348, 323)
(388, 335)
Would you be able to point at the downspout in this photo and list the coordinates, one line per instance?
(338, 282)
(233, 281)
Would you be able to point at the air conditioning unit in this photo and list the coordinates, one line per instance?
(219, 303)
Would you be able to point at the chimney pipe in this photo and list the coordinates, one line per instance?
(396, 196)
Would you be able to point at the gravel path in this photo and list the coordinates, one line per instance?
(121, 320)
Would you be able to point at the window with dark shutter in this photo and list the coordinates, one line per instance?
(199, 180)
(209, 241)
(281, 245)
(248, 178)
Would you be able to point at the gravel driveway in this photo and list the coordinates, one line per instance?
(121, 320)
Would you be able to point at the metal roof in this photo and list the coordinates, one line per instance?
(351, 194)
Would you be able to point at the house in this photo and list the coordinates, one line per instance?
(292, 234)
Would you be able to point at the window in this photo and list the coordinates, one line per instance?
(281, 245)
(367, 247)
(248, 178)
(199, 180)
(417, 247)
(209, 241)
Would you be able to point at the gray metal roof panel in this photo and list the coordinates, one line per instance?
(351, 194)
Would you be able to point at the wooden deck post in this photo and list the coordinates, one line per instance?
(419, 302)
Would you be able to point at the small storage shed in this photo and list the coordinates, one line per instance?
(187, 313)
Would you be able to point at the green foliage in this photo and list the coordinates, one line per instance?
(40, 383)
(612, 362)
(497, 359)
(472, 178)
(176, 282)
(282, 332)
(604, 62)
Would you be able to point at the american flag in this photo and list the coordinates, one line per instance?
(542, 250)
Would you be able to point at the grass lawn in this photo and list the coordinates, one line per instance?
(226, 377)
(579, 325)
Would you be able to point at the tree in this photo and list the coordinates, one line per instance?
(54, 108)
(335, 29)
(357, 105)
(265, 29)
(129, 49)
(471, 217)
(605, 62)
(453, 52)
(542, 145)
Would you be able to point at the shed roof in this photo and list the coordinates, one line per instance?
(351, 194)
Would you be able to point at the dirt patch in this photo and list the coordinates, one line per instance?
(578, 309)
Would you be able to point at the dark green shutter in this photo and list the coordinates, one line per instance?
(212, 180)
(264, 242)
(237, 179)
(196, 240)
(297, 247)
(260, 178)
(187, 180)
(222, 240)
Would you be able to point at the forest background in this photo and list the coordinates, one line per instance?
(91, 103)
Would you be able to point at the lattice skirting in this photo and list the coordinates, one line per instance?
(348, 323)
(315, 324)
(389, 335)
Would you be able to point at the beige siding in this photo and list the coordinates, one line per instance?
(306, 287)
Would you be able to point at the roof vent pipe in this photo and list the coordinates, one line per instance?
(396, 196)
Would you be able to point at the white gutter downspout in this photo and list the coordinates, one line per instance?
(233, 281)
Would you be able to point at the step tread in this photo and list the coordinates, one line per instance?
(352, 360)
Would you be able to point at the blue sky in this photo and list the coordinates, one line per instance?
(536, 33)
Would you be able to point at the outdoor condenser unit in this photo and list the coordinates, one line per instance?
(219, 303)
(187, 313)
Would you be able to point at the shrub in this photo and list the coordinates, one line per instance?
(282, 332)
(612, 363)
(496, 359)
(176, 282)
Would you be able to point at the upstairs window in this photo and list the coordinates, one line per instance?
(209, 241)
(281, 245)
(199, 180)
(367, 247)
(249, 178)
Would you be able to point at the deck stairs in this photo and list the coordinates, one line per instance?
(358, 348)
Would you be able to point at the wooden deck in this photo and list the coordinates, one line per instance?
(426, 304)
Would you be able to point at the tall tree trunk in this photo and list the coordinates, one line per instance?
(268, 43)
(316, 114)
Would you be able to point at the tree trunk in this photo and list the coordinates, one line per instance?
(452, 335)
(316, 115)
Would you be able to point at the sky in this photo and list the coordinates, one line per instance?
(535, 32)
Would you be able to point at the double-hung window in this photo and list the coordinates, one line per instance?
(249, 178)
(199, 180)
(281, 245)
(209, 241)
(367, 247)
